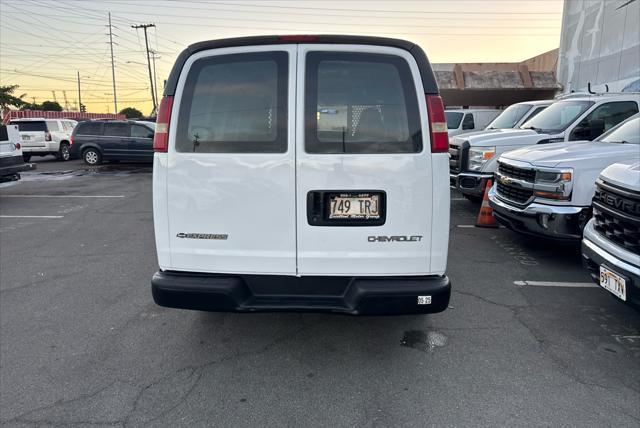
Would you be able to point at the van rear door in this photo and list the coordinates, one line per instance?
(364, 176)
(230, 166)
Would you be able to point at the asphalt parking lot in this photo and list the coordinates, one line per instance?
(527, 340)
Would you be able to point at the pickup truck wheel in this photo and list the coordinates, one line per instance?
(64, 154)
(92, 156)
(26, 157)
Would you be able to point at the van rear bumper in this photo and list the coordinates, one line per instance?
(274, 293)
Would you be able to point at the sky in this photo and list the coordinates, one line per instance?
(44, 43)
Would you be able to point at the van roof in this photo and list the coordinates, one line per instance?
(426, 73)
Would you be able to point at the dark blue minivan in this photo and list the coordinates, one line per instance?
(103, 140)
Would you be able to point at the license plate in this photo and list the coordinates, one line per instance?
(26, 137)
(353, 206)
(613, 282)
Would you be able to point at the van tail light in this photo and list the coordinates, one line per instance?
(18, 146)
(161, 137)
(71, 138)
(47, 136)
(437, 124)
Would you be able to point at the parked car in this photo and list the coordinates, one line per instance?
(324, 188)
(11, 161)
(517, 114)
(42, 137)
(469, 120)
(611, 244)
(546, 190)
(474, 156)
(96, 141)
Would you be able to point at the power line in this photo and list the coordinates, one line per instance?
(456, 12)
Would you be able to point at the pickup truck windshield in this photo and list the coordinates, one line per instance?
(509, 117)
(453, 119)
(625, 133)
(557, 117)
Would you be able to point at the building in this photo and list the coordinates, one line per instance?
(498, 84)
(600, 46)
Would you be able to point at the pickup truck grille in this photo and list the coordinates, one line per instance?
(516, 172)
(516, 194)
(458, 156)
(616, 214)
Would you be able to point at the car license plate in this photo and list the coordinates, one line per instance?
(613, 282)
(26, 137)
(354, 206)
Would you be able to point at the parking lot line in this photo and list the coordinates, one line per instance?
(61, 196)
(556, 284)
(458, 199)
(31, 216)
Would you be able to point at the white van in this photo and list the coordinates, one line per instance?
(469, 120)
(11, 162)
(302, 173)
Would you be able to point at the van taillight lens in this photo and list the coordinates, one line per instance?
(71, 140)
(161, 137)
(47, 136)
(18, 146)
(437, 124)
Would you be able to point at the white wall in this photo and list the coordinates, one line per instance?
(600, 43)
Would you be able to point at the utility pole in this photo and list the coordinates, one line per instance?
(113, 68)
(155, 75)
(79, 97)
(146, 43)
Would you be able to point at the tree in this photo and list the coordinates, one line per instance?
(51, 106)
(31, 106)
(131, 113)
(7, 99)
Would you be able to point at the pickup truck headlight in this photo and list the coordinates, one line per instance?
(554, 184)
(479, 156)
(554, 176)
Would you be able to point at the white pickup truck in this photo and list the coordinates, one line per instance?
(547, 190)
(473, 156)
(11, 161)
(611, 244)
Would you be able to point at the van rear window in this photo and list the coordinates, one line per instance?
(31, 126)
(235, 104)
(360, 103)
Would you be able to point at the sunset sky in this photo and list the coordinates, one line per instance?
(44, 43)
